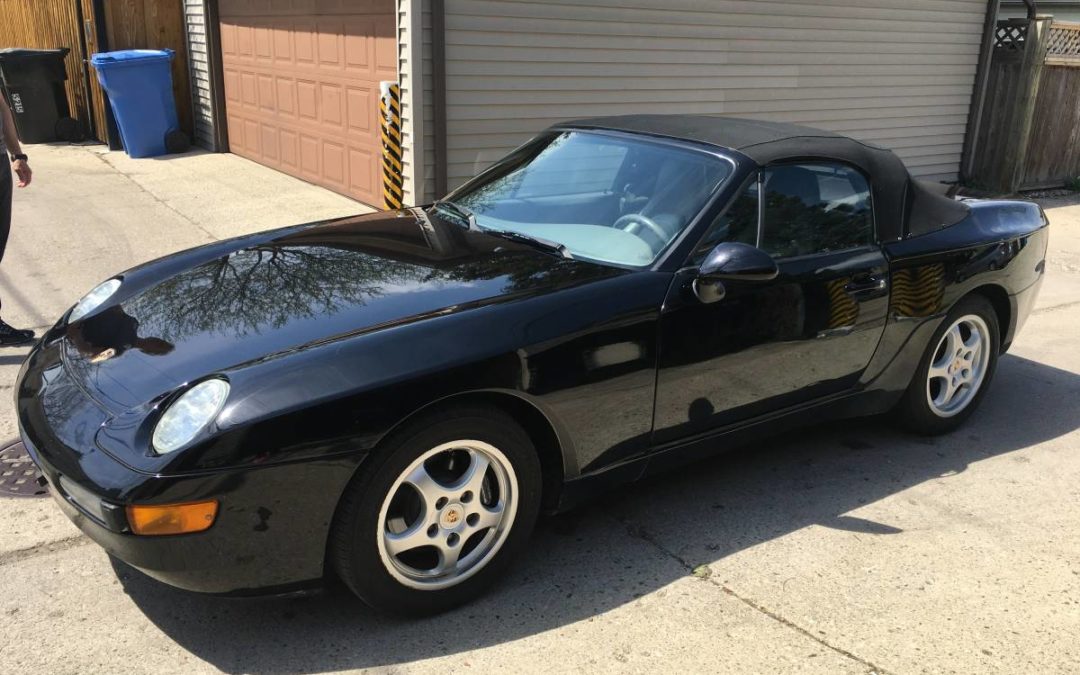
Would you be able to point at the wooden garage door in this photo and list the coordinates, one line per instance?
(302, 87)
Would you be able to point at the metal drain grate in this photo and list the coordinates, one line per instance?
(18, 474)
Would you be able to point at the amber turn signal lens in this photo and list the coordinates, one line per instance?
(171, 518)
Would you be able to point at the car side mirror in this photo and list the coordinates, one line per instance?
(732, 261)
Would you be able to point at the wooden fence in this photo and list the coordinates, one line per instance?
(88, 26)
(1029, 131)
(154, 24)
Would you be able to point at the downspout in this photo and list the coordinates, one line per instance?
(438, 93)
(978, 96)
(1033, 11)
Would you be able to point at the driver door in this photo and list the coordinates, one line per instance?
(769, 345)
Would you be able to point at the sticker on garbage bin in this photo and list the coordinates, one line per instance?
(16, 102)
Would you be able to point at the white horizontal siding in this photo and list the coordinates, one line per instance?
(899, 74)
(407, 73)
(426, 186)
(417, 111)
(1061, 11)
(199, 66)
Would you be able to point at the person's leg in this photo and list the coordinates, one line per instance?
(5, 204)
(8, 336)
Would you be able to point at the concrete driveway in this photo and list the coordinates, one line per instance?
(852, 548)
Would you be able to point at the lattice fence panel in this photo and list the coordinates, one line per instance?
(1064, 40)
(1010, 35)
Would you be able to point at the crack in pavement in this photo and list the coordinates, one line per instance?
(1053, 308)
(639, 532)
(18, 555)
(104, 159)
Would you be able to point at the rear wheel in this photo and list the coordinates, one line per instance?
(955, 371)
(438, 512)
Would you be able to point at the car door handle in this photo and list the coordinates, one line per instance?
(867, 285)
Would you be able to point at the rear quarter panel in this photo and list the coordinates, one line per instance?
(999, 250)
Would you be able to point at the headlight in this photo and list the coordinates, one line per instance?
(93, 299)
(189, 414)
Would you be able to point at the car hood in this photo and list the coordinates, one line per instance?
(267, 296)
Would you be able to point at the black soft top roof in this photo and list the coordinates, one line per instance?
(745, 135)
(901, 206)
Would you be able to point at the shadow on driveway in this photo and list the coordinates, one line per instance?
(583, 564)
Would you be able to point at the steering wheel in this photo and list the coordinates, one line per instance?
(632, 223)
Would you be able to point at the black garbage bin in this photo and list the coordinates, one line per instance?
(33, 82)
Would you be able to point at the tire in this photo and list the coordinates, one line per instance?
(391, 540)
(927, 406)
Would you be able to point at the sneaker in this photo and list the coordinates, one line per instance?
(13, 337)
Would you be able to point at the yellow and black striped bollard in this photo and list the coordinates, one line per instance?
(390, 131)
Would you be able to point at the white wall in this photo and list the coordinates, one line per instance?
(414, 76)
(1061, 11)
(898, 74)
(199, 65)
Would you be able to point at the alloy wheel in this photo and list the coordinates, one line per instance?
(959, 366)
(447, 515)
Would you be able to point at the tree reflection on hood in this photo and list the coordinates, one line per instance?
(264, 288)
(325, 270)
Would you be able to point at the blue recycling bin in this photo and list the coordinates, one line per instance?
(139, 85)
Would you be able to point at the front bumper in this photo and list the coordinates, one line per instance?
(272, 523)
(249, 549)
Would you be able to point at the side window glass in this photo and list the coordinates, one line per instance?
(815, 208)
(737, 223)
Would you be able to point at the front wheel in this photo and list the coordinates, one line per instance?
(438, 512)
(955, 371)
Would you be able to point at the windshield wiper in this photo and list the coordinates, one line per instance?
(462, 212)
(469, 217)
(535, 242)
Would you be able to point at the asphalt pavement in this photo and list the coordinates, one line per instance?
(843, 548)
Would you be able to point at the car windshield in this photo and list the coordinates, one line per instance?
(602, 197)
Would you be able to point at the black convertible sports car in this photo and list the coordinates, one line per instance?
(394, 398)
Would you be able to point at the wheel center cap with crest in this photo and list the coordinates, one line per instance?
(451, 516)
